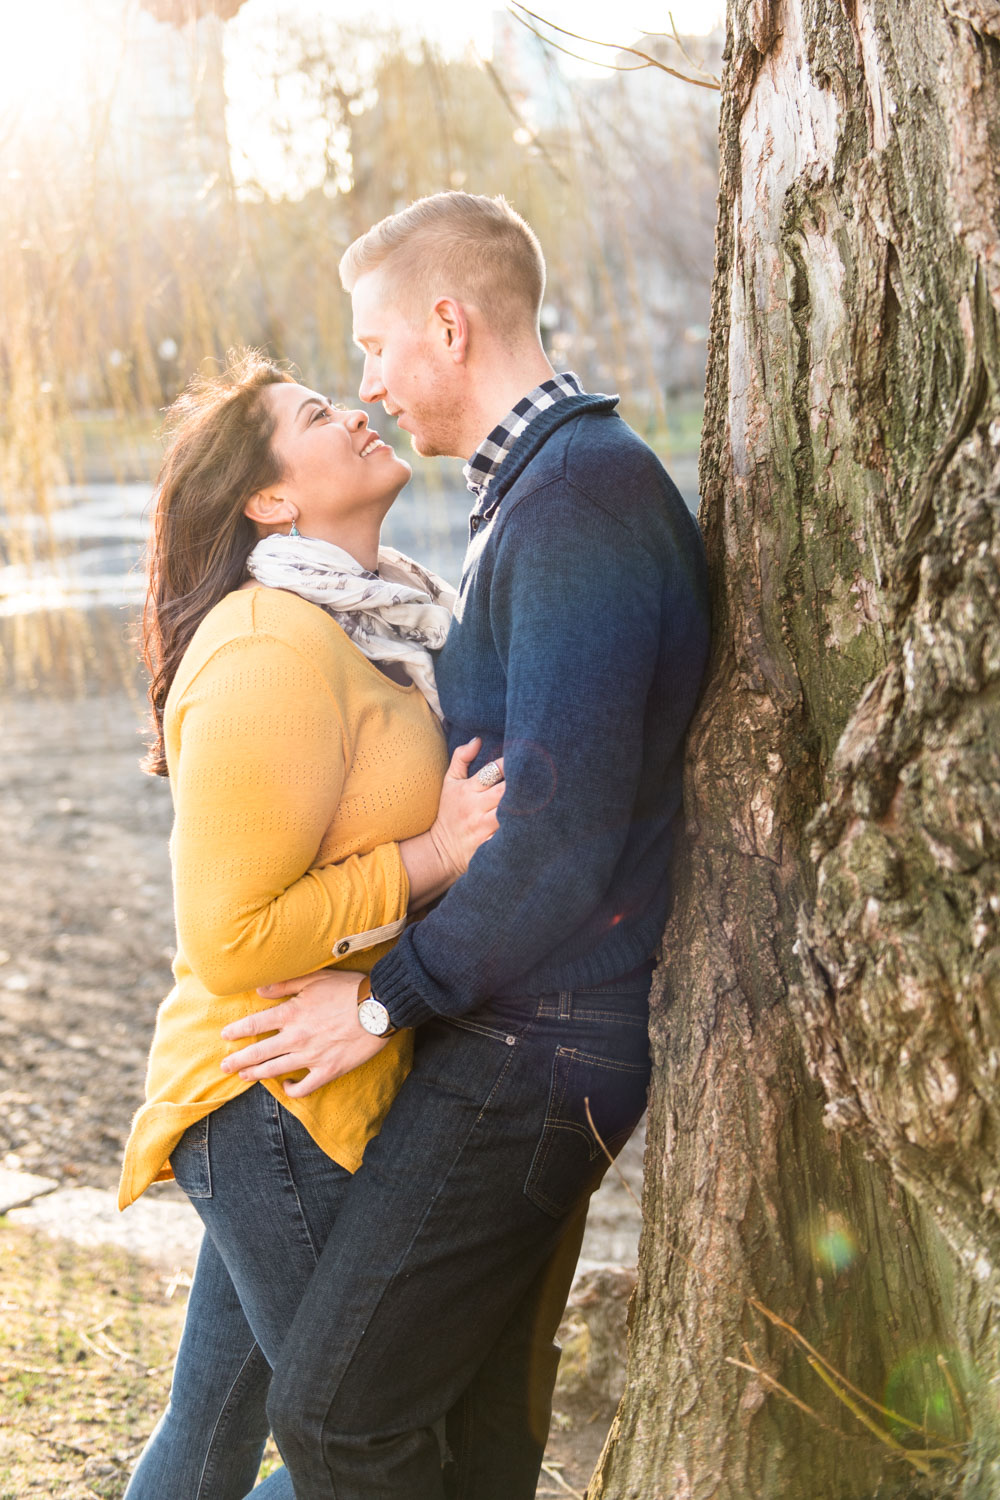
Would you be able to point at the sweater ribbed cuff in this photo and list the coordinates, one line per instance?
(391, 986)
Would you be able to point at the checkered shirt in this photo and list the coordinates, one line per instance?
(482, 467)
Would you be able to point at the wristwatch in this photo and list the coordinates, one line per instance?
(372, 1014)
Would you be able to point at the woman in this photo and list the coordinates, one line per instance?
(295, 713)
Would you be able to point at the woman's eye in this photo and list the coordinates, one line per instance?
(322, 411)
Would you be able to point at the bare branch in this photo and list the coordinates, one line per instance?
(683, 50)
(557, 47)
(707, 81)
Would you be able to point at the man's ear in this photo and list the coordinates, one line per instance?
(267, 509)
(451, 325)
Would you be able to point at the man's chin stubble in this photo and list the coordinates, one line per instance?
(429, 448)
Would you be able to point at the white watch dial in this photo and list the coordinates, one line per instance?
(374, 1017)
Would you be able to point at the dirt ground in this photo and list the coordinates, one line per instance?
(85, 931)
(86, 938)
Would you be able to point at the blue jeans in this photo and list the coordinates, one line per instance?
(442, 1282)
(268, 1197)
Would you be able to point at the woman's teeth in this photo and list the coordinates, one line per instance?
(370, 447)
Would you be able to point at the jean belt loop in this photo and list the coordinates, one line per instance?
(565, 1005)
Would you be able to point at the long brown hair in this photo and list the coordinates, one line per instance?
(218, 455)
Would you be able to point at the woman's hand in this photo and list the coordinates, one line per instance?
(466, 818)
(467, 812)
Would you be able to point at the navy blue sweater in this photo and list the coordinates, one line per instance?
(577, 651)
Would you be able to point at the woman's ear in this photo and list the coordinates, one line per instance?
(270, 510)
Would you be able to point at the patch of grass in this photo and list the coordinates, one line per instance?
(88, 1343)
(88, 1346)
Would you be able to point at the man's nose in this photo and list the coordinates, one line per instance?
(371, 388)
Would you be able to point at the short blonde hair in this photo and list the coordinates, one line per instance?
(474, 248)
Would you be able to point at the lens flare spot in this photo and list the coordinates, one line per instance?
(834, 1248)
(922, 1386)
(530, 768)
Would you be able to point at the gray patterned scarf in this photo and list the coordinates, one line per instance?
(399, 614)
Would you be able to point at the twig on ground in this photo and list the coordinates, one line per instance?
(43, 1437)
(123, 1354)
(553, 1473)
(179, 1278)
(94, 1348)
(77, 1372)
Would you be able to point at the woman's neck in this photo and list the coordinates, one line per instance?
(361, 542)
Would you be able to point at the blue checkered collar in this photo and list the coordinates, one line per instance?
(481, 470)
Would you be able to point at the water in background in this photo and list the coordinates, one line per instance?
(95, 534)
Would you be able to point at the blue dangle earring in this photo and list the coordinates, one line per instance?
(295, 530)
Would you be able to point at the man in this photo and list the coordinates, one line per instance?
(577, 651)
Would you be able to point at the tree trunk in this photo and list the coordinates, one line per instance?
(824, 1119)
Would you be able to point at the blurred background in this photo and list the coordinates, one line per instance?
(181, 175)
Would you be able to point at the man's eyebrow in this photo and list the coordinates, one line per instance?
(311, 401)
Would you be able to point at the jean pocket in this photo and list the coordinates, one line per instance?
(592, 1099)
(189, 1161)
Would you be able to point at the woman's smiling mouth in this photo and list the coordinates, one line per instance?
(373, 443)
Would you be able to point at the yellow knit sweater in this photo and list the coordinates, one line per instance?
(295, 767)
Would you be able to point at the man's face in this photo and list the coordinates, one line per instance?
(408, 367)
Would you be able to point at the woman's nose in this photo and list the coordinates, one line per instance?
(356, 420)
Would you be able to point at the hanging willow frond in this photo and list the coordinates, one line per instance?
(181, 12)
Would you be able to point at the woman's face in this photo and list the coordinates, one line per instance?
(336, 470)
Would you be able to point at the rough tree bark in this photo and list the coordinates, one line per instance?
(823, 1134)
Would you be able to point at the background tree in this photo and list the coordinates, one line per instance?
(823, 1126)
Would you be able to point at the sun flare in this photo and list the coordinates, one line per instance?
(46, 61)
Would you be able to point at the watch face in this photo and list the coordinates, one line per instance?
(374, 1017)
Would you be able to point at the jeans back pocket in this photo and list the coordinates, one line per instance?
(590, 1096)
(189, 1161)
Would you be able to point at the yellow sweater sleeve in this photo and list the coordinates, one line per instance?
(259, 773)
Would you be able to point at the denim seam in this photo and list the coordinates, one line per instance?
(201, 1153)
(551, 1115)
(499, 1080)
(613, 1064)
(493, 1032)
(303, 1219)
(462, 1460)
(583, 1014)
(576, 1129)
(206, 1487)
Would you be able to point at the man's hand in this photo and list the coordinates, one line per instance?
(317, 1028)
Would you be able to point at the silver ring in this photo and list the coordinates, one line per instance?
(490, 774)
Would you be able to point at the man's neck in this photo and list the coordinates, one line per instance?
(502, 388)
